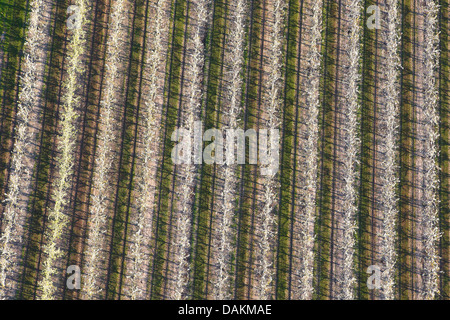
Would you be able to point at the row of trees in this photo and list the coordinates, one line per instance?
(389, 124)
(57, 220)
(266, 230)
(101, 184)
(224, 238)
(15, 211)
(350, 109)
(309, 152)
(188, 172)
(430, 209)
(139, 253)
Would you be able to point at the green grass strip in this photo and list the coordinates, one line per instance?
(248, 180)
(12, 47)
(367, 128)
(287, 159)
(326, 145)
(40, 197)
(406, 155)
(166, 173)
(127, 153)
(444, 130)
(205, 192)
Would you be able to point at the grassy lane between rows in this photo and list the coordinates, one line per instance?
(88, 140)
(297, 115)
(406, 153)
(141, 37)
(248, 175)
(132, 85)
(364, 234)
(39, 199)
(444, 94)
(125, 178)
(241, 169)
(287, 160)
(326, 167)
(165, 173)
(204, 195)
(13, 26)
